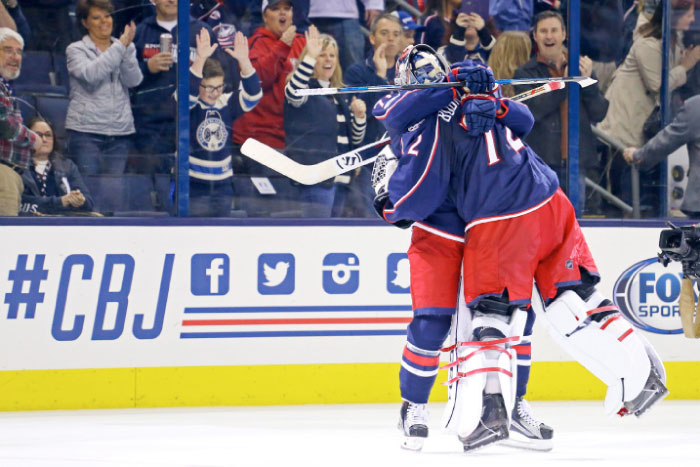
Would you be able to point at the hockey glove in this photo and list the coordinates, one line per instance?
(479, 78)
(479, 114)
(380, 201)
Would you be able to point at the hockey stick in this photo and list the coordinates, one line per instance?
(583, 81)
(338, 165)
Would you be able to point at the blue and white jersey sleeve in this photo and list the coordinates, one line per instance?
(421, 181)
(400, 110)
(250, 92)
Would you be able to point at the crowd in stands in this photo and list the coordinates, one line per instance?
(89, 127)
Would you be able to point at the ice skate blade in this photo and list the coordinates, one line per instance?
(489, 435)
(412, 443)
(518, 441)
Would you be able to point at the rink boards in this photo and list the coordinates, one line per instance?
(180, 314)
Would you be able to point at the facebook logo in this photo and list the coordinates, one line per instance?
(210, 274)
(341, 273)
(276, 274)
(398, 273)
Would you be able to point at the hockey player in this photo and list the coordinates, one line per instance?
(435, 255)
(212, 112)
(520, 227)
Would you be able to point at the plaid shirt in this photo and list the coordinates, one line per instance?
(16, 140)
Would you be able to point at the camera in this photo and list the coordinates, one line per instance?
(681, 244)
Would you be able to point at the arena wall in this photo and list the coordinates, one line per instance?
(164, 313)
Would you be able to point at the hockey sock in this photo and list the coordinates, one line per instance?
(523, 350)
(421, 356)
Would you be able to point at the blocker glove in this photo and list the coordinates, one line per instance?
(479, 113)
(478, 77)
(380, 201)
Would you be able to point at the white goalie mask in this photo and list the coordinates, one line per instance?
(420, 64)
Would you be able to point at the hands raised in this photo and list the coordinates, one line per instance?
(127, 36)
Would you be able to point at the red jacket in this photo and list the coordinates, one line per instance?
(273, 60)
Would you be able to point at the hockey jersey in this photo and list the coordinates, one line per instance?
(487, 177)
(210, 143)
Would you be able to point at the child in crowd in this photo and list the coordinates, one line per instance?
(212, 112)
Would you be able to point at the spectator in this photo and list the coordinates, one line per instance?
(322, 127)
(684, 129)
(378, 69)
(549, 135)
(273, 48)
(410, 28)
(470, 39)
(512, 50)
(52, 184)
(340, 19)
(154, 108)
(634, 90)
(436, 19)
(102, 69)
(16, 140)
(212, 113)
(50, 23)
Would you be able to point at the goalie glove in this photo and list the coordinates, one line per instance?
(479, 114)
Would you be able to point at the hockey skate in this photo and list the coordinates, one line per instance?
(654, 390)
(413, 422)
(493, 425)
(525, 431)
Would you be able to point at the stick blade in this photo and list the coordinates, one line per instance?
(270, 157)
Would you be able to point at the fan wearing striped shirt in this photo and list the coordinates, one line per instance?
(319, 128)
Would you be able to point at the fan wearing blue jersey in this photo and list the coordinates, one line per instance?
(436, 249)
(519, 228)
(212, 112)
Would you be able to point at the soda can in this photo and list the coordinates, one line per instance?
(166, 42)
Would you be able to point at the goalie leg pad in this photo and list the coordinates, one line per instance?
(595, 334)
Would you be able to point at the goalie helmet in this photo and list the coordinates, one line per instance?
(420, 64)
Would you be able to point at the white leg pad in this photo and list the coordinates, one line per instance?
(610, 349)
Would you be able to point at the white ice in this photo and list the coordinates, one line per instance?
(357, 435)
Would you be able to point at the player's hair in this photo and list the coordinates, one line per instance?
(388, 16)
(546, 15)
(212, 68)
(82, 10)
(326, 42)
(512, 50)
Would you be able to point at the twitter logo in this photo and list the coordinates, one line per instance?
(276, 274)
(398, 273)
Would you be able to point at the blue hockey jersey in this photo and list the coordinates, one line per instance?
(487, 177)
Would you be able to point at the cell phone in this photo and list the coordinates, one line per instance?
(480, 7)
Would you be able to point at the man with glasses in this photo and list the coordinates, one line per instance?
(16, 140)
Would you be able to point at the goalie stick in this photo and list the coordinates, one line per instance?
(338, 165)
(583, 81)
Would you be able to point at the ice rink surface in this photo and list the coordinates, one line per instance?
(357, 435)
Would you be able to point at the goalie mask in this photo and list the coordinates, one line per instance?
(420, 64)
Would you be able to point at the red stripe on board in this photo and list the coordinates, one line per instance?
(243, 322)
(419, 359)
(607, 323)
(601, 309)
(627, 333)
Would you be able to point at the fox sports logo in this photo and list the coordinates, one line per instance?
(647, 294)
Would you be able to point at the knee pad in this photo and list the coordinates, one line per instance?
(429, 331)
(594, 332)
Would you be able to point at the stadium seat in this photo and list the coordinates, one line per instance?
(27, 105)
(37, 75)
(54, 109)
